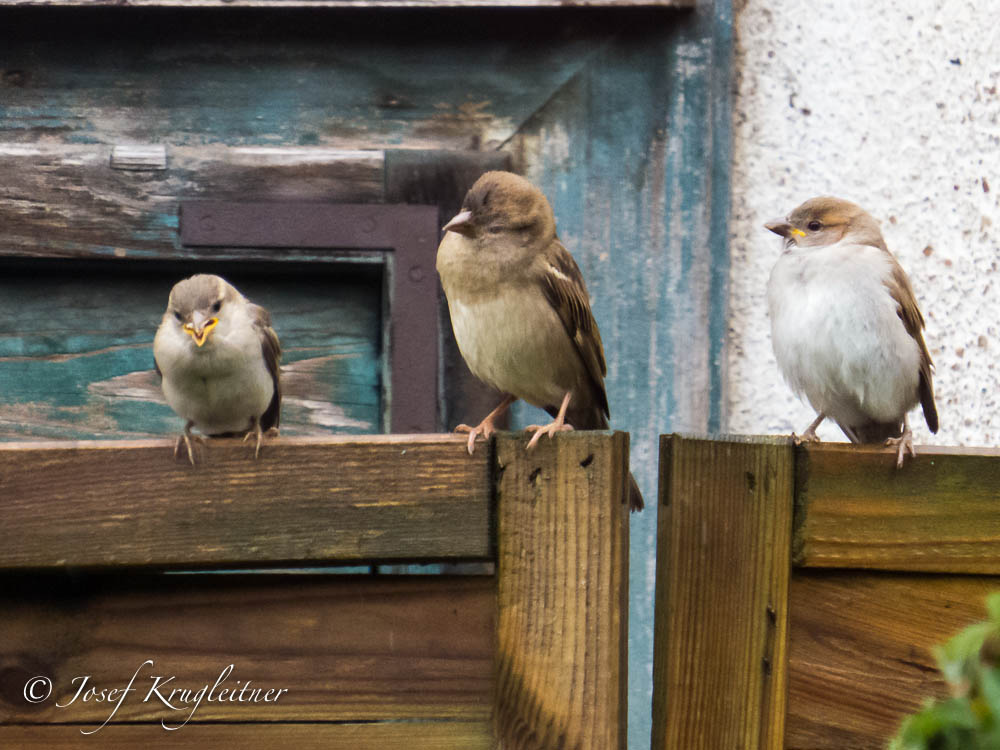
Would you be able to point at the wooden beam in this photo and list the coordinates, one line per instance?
(859, 656)
(939, 513)
(361, 3)
(66, 201)
(723, 555)
(562, 568)
(343, 648)
(434, 735)
(336, 499)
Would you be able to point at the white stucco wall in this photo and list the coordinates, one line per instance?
(894, 104)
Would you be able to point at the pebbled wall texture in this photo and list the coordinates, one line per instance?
(894, 105)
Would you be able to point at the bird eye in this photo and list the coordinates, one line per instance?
(814, 226)
(217, 306)
(494, 228)
(178, 316)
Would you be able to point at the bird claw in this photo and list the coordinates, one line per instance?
(255, 431)
(903, 444)
(185, 439)
(484, 428)
(809, 436)
(549, 429)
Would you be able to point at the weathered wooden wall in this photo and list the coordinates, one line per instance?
(620, 114)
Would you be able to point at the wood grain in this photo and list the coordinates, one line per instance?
(66, 201)
(722, 584)
(939, 513)
(860, 651)
(345, 648)
(562, 569)
(150, 75)
(122, 503)
(360, 3)
(435, 735)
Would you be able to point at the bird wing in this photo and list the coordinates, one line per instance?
(908, 311)
(564, 288)
(156, 365)
(270, 347)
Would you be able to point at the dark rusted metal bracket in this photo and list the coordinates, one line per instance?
(408, 234)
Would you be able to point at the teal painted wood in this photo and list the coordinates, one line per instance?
(269, 77)
(76, 350)
(634, 154)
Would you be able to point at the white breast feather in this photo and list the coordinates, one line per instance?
(837, 336)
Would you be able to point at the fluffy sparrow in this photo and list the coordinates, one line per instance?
(520, 310)
(846, 329)
(218, 359)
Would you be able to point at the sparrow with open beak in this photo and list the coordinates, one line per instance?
(845, 326)
(520, 310)
(218, 359)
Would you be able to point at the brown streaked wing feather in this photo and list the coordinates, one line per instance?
(271, 349)
(566, 291)
(908, 311)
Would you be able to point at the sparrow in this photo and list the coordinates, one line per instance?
(218, 356)
(845, 326)
(520, 310)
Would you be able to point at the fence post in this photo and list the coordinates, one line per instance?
(562, 570)
(722, 572)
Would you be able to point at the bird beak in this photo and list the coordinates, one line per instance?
(461, 223)
(786, 230)
(200, 328)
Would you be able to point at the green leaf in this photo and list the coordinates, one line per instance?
(970, 721)
(959, 657)
(993, 607)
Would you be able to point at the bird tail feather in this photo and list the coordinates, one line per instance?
(634, 495)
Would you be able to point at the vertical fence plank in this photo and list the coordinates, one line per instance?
(562, 567)
(723, 564)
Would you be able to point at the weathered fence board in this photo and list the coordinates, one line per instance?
(721, 596)
(435, 735)
(855, 655)
(534, 656)
(344, 648)
(562, 640)
(304, 499)
(939, 513)
(859, 653)
(332, 4)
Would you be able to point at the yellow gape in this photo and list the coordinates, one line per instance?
(200, 336)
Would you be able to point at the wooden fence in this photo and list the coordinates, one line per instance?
(799, 590)
(533, 656)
